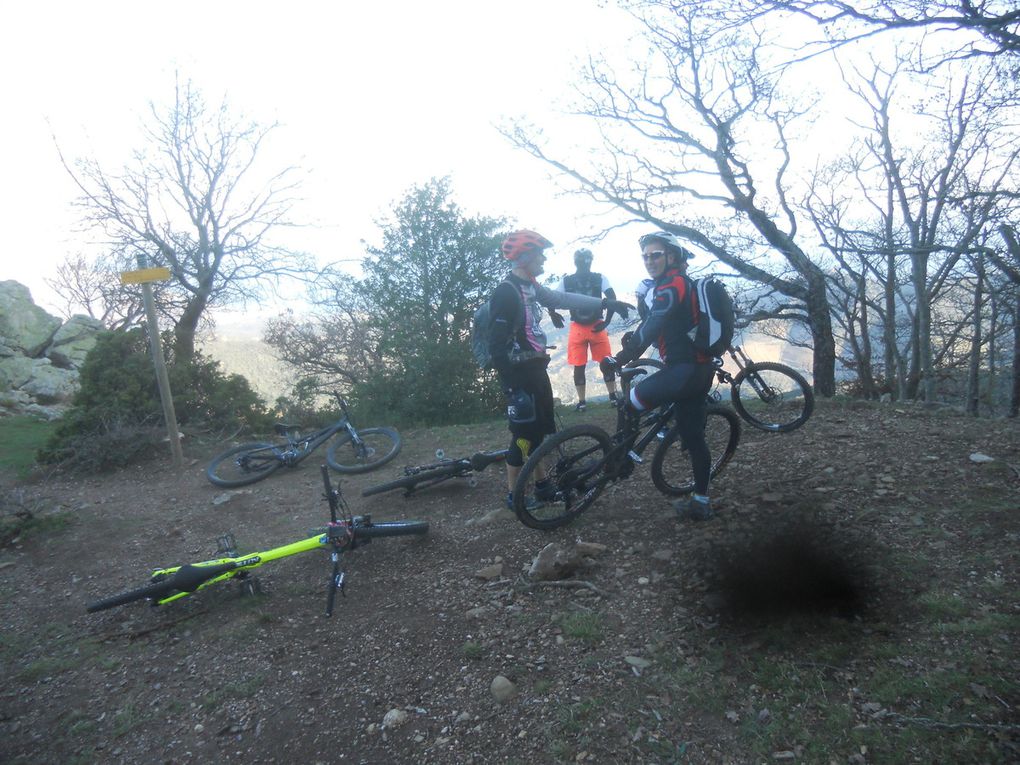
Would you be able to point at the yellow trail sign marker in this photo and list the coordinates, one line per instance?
(144, 275)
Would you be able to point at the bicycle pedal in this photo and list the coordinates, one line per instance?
(226, 546)
(251, 586)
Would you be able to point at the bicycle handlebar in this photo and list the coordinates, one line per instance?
(481, 460)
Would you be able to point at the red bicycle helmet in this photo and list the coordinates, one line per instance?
(524, 242)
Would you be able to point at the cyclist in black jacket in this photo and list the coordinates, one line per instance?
(587, 328)
(688, 375)
(517, 345)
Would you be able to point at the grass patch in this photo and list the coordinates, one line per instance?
(47, 667)
(473, 650)
(127, 719)
(984, 626)
(20, 439)
(941, 606)
(583, 626)
(241, 689)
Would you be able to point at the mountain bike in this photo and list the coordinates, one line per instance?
(354, 451)
(583, 459)
(423, 476)
(767, 395)
(344, 533)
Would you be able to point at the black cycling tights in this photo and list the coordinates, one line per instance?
(686, 384)
(579, 375)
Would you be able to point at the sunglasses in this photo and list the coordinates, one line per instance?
(653, 255)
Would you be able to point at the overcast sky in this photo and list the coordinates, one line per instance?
(372, 100)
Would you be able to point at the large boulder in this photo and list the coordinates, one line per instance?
(49, 384)
(15, 371)
(24, 326)
(73, 341)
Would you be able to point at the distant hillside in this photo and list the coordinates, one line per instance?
(251, 358)
(240, 350)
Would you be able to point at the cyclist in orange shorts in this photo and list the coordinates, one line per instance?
(588, 328)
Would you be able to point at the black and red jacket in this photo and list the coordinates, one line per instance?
(672, 314)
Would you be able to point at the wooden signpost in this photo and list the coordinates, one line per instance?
(145, 276)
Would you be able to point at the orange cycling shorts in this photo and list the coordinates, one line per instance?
(582, 336)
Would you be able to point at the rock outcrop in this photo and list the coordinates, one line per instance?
(40, 355)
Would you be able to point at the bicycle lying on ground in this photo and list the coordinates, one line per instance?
(354, 451)
(423, 476)
(583, 459)
(344, 533)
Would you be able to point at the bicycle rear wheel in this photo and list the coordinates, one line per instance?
(573, 460)
(244, 464)
(411, 482)
(378, 446)
(671, 464)
(772, 397)
(154, 591)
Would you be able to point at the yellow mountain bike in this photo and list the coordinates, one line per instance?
(344, 532)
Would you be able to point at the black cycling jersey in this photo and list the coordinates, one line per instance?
(670, 317)
(517, 337)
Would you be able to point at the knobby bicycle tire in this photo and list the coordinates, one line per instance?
(154, 591)
(383, 529)
(574, 458)
(411, 482)
(385, 444)
(391, 529)
(225, 470)
(671, 464)
(787, 404)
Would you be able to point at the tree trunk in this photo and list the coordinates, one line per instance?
(823, 366)
(925, 371)
(974, 367)
(187, 327)
(1014, 399)
(865, 371)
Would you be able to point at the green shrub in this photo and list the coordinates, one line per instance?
(441, 389)
(117, 418)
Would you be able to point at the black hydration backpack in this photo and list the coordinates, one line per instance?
(715, 314)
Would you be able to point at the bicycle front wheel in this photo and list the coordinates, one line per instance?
(378, 446)
(154, 592)
(671, 465)
(391, 529)
(573, 460)
(243, 464)
(411, 482)
(772, 397)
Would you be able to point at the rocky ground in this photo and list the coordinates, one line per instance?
(673, 642)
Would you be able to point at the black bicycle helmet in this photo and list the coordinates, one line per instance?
(584, 254)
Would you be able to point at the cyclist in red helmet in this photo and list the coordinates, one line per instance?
(520, 357)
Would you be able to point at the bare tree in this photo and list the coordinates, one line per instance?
(924, 202)
(336, 343)
(1009, 264)
(977, 28)
(684, 134)
(193, 200)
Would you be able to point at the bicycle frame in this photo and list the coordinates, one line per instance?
(239, 566)
(743, 361)
(628, 442)
(301, 447)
